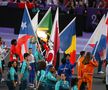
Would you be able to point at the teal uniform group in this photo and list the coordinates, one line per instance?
(47, 77)
(12, 76)
(40, 75)
(62, 85)
(12, 73)
(24, 70)
(24, 73)
(38, 56)
(47, 80)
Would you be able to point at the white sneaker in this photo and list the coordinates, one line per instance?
(2, 80)
(31, 85)
(100, 72)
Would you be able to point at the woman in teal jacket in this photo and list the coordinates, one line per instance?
(62, 84)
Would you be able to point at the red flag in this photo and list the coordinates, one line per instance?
(56, 43)
(26, 32)
(54, 37)
(22, 46)
(107, 26)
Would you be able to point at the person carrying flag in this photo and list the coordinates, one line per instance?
(88, 70)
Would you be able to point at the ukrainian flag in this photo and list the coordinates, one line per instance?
(68, 40)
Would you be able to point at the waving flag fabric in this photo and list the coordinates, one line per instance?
(26, 32)
(100, 29)
(98, 40)
(68, 40)
(101, 47)
(35, 21)
(46, 22)
(54, 37)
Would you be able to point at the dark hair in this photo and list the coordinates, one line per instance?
(30, 48)
(10, 64)
(26, 55)
(63, 61)
(74, 81)
(87, 58)
(82, 53)
(13, 62)
(50, 66)
(41, 65)
(13, 41)
(63, 73)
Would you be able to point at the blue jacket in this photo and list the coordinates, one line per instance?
(67, 69)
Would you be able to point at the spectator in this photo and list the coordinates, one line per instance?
(55, 2)
(70, 7)
(49, 2)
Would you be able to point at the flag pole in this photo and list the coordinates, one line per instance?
(67, 26)
(90, 39)
(103, 26)
(44, 16)
(33, 28)
(92, 34)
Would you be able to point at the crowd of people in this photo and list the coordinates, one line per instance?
(36, 70)
(73, 3)
(67, 3)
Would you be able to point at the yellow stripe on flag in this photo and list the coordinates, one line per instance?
(43, 29)
(72, 46)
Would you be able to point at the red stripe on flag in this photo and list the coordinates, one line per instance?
(107, 21)
(107, 29)
(73, 57)
(92, 45)
(22, 41)
(56, 43)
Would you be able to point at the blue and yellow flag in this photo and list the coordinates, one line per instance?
(68, 40)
